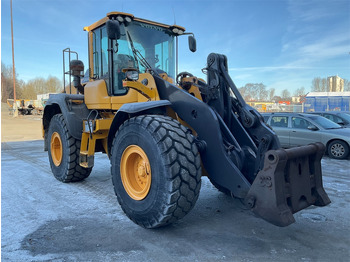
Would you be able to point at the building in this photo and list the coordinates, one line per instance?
(335, 84)
(327, 101)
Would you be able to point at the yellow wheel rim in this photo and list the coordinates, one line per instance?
(135, 172)
(56, 149)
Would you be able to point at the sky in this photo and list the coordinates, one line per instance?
(283, 44)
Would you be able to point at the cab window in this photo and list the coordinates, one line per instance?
(100, 53)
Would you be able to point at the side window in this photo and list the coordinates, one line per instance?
(301, 123)
(279, 121)
(100, 53)
(96, 41)
(266, 118)
(123, 59)
(334, 118)
(104, 53)
(330, 117)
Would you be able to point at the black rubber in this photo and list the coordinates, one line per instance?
(175, 169)
(69, 170)
(342, 149)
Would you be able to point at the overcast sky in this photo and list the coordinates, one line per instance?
(282, 44)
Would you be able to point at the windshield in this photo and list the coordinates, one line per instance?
(324, 122)
(345, 116)
(156, 45)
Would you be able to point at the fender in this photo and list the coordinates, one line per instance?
(72, 108)
(129, 110)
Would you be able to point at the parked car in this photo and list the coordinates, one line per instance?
(295, 129)
(339, 117)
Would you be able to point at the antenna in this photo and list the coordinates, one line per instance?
(174, 16)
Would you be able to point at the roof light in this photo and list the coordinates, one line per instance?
(120, 19)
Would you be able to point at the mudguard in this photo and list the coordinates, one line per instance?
(132, 109)
(72, 108)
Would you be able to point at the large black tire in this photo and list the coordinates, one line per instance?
(338, 149)
(64, 152)
(174, 164)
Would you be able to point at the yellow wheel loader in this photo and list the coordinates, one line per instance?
(162, 130)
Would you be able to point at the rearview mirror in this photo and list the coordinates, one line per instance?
(113, 29)
(312, 128)
(192, 44)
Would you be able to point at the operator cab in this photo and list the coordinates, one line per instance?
(120, 42)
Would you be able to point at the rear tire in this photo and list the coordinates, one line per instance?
(64, 151)
(338, 149)
(169, 188)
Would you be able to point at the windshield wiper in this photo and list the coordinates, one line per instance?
(138, 56)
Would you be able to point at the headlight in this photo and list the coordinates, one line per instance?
(132, 75)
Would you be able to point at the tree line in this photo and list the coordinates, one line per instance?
(320, 84)
(250, 92)
(29, 89)
(259, 92)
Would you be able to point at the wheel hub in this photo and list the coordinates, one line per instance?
(135, 172)
(56, 149)
(337, 150)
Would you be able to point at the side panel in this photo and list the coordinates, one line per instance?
(96, 96)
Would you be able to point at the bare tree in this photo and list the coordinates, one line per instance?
(285, 94)
(271, 93)
(53, 85)
(300, 91)
(316, 84)
(256, 91)
(7, 83)
(324, 86)
(319, 84)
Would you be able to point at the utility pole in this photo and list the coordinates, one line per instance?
(15, 112)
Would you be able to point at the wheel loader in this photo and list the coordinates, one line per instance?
(163, 130)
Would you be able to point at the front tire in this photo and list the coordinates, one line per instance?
(338, 149)
(64, 152)
(156, 170)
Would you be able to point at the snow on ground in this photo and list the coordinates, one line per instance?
(46, 220)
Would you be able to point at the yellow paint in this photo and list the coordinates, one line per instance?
(96, 96)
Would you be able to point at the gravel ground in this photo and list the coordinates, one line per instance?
(43, 219)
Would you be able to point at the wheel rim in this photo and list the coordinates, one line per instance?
(56, 149)
(135, 172)
(337, 150)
